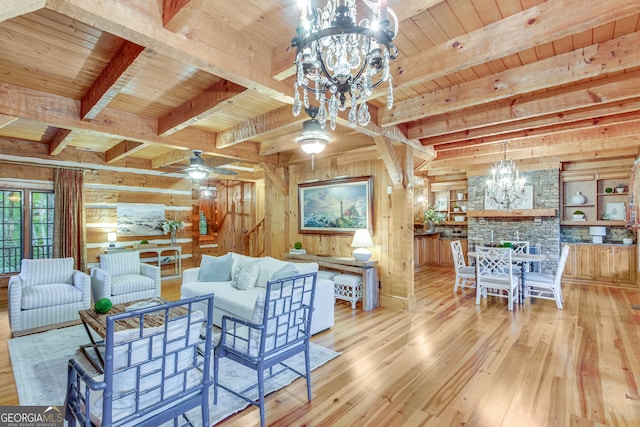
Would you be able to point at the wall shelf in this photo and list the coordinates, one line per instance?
(516, 213)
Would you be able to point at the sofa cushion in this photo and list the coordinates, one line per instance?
(288, 270)
(131, 283)
(246, 275)
(267, 268)
(238, 259)
(34, 272)
(49, 295)
(306, 267)
(215, 269)
(121, 263)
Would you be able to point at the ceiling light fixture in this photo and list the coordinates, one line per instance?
(313, 139)
(505, 187)
(335, 57)
(197, 173)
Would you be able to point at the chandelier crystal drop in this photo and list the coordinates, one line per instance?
(505, 187)
(336, 57)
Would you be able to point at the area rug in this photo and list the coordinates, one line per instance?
(39, 364)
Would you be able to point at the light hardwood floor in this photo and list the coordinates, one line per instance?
(452, 363)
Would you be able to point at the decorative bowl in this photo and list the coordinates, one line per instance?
(459, 218)
(578, 216)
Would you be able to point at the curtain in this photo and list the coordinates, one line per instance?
(69, 230)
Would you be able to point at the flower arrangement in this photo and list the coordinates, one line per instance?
(430, 214)
(172, 225)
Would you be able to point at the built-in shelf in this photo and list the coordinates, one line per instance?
(516, 213)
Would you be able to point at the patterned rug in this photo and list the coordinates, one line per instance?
(39, 364)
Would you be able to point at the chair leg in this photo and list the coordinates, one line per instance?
(307, 362)
(215, 377)
(478, 292)
(263, 422)
(456, 283)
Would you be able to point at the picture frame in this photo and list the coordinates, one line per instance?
(525, 203)
(616, 211)
(337, 206)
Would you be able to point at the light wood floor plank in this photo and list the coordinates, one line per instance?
(453, 363)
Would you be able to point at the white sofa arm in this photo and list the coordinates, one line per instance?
(82, 281)
(190, 275)
(100, 283)
(15, 303)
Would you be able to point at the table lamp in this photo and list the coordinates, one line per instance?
(112, 238)
(597, 233)
(362, 240)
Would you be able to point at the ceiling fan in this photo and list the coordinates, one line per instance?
(198, 170)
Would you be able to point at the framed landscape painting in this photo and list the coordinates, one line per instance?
(338, 206)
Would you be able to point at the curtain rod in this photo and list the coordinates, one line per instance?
(41, 165)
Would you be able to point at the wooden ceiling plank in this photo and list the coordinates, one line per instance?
(176, 13)
(213, 49)
(556, 102)
(591, 62)
(198, 107)
(61, 112)
(124, 65)
(530, 28)
(390, 160)
(122, 150)
(12, 8)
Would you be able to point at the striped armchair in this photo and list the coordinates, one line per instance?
(121, 277)
(47, 292)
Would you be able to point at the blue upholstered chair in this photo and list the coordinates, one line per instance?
(47, 292)
(121, 277)
(281, 328)
(152, 374)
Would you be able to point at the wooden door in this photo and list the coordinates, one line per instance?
(570, 268)
(604, 270)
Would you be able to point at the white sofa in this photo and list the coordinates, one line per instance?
(229, 300)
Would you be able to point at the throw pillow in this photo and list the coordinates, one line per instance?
(268, 267)
(246, 275)
(285, 272)
(215, 269)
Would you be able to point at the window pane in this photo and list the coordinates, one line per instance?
(41, 225)
(10, 231)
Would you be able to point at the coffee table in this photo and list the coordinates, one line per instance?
(97, 322)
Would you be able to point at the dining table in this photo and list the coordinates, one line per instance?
(519, 258)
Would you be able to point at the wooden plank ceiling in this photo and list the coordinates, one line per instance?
(122, 84)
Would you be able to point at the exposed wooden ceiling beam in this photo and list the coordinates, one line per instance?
(525, 30)
(60, 140)
(122, 150)
(124, 65)
(198, 107)
(589, 62)
(559, 103)
(257, 126)
(63, 112)
(6, 120)
(176, 13)
(391, 162)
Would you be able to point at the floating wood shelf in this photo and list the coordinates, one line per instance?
(516, 213)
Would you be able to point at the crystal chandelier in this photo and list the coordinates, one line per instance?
(336, 57)
(505, 187)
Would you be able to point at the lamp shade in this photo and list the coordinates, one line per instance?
(361, 241)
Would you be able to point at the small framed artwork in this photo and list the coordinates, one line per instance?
(442, 204)
(616, 211)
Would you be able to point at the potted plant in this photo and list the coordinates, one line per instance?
(172, 226)
(456, 208)
(578, 214)
(620, 188)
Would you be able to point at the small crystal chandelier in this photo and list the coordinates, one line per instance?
(336, 57)
(505, 187)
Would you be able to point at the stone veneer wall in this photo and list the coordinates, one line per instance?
(544, 236)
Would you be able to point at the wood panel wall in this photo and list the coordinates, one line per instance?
(393, 224)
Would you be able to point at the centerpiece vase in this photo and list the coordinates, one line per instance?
(431, 227)
(174, 241)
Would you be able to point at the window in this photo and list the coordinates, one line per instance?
(26, 227)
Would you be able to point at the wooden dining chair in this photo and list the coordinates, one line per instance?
(465, 275)
(547, 286)
(495, 276)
